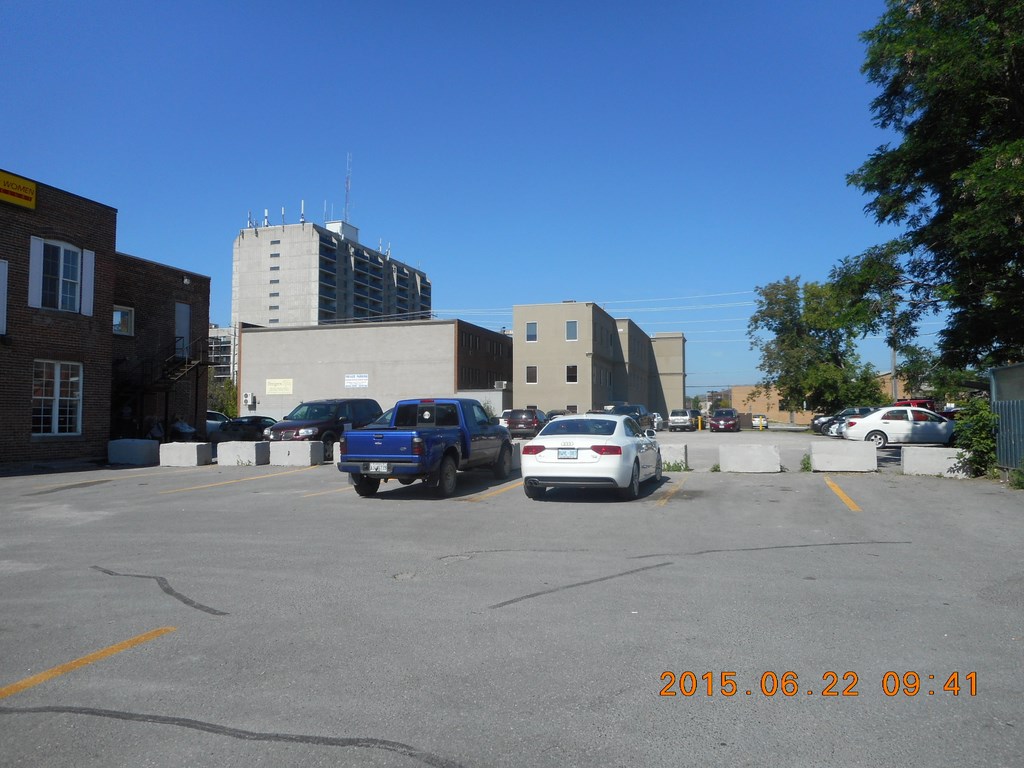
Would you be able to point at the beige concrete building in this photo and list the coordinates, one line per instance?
(575, 356)
(292, 275)
(281, 367)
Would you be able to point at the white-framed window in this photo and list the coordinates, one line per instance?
(531, 374)
(60, 276)
(571, 374)
(56, 398)
(3, 298)
(124, 321)
(572, 330)
(531, 331)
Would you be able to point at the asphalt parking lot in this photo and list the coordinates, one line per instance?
(239, 616)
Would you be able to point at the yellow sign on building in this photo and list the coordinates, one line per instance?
(14, 189)
(279, 386)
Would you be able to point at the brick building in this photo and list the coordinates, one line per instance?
(85, 331)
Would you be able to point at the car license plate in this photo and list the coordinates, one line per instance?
(567, 453)
(379, 466)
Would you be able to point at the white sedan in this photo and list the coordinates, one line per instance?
(900, 425)
(593, 450)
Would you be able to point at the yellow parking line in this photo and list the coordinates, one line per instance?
(238, 480)
(481, 496)
(850, 503)
(49, 674)
(664, 499)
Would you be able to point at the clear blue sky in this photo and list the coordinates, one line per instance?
(660, 158)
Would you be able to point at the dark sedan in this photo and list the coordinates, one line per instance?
(243, 428)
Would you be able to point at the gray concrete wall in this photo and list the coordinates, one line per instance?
(843, 456)
(395, 360)
(922, 460)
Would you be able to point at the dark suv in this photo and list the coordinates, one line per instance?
(639, 413)
(324, 420)
(526, 422)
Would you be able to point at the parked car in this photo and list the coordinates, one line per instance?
(214, 419)
(245, 428)
(428, 439)
(826, 427)
(557, 412)
(685, 419)
(638, 412)
(724, 420)
(503, 419)
(525, 422)
(760, 421)
(599, 450)
(657, 422)
(325, 420)
(900, 425)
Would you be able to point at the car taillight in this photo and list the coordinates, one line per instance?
(532, 450)
(851, 422)
(607, 450)
(417, 446)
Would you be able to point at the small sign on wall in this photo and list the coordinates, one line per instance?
(357, 380)
(279, 386)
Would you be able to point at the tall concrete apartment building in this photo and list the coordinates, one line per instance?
(304, 274)
(575, 356)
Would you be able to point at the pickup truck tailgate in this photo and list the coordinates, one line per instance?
(387, 445)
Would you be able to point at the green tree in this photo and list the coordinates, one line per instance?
(222, 395)
(950, 75)
(924, 373)
(808, 350)
(975, 436)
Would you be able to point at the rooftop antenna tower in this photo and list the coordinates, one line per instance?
(348, 182)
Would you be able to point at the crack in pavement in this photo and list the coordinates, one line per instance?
(166, 587)
(237, 733)
(577, 584)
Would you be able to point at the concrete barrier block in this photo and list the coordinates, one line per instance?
(296, 453)
(928, 460)
(185, 454)
(243, 453)
(749, 458)
(135, 452)
(843, 456)
(517, 456)
(671, 454)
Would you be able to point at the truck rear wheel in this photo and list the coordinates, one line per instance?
(446, 477)
(365, 486)
(503, 466)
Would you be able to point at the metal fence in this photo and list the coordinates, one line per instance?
(1010, 436)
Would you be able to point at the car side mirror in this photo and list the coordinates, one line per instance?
(651, 434)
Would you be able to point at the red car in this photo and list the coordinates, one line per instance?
(724, 420)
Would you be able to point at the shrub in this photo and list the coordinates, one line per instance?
(675, 466)
(975, 436)
(805, 463)
(716, 468)
(1017, 477)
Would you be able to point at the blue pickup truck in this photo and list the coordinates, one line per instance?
(426, 439)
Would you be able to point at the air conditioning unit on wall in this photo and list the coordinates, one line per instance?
(501, 385)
